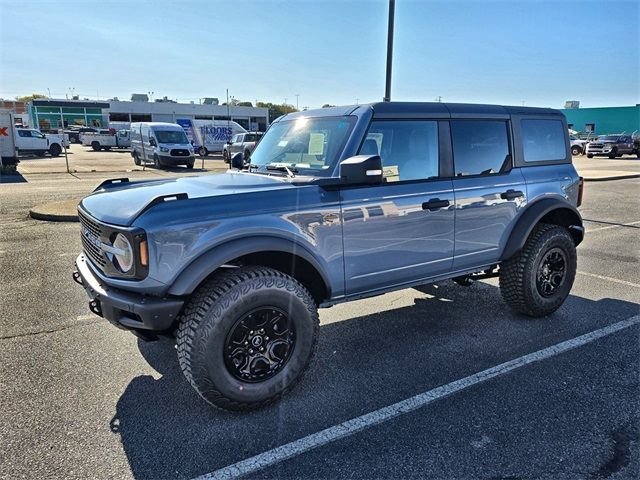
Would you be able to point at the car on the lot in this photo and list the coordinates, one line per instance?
(578, 145)
(243, 143)
(33, 142)
(107, 141)
(611, 146)
(163, 144)
(337, 204)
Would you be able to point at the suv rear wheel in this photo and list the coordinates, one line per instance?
(55, 150)
(576, 150)
(247, 336)
(538, 279)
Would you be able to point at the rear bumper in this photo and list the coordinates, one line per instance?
(126, 310)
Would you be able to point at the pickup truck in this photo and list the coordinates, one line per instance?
(33, 142)
(612, 146)
(107, 141)
(337, 204)
(244, 143)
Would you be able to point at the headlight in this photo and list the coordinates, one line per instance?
(164, 149)
(123, 253)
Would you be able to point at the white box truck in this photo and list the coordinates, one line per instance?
(8, 153)
(209, 135)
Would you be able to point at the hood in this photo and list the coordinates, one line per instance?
(121, 203)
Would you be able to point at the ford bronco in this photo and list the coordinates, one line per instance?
(336, 204)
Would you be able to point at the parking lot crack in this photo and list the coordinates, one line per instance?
(57, 329)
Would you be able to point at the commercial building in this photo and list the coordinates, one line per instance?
(604, 120)
(49, 114)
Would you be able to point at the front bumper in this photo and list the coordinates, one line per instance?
(170, 160)
(126, 310)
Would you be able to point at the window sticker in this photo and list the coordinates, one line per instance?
(283, 143)
(391, 173)
(316, 143)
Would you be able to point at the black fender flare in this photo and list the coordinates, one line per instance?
(533, 214)
(204, 265)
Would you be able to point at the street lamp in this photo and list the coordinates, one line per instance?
(387, 89)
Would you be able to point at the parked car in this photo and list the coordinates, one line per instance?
(33, 142)
(338, 204)
(611, 146)
(101, 141)
(244, 143)
(578, 146)
(163, 144)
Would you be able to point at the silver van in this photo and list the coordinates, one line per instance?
(163, 144)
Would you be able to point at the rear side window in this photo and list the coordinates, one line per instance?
(480, 147)
(543, 140)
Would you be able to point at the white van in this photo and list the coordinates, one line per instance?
(163, 144)
(209, 135)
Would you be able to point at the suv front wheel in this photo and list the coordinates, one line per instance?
(247, 336)
(537, 280)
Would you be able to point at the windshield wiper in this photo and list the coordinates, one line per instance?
(283, 168)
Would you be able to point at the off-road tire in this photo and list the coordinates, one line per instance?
(189, 165)
(55, 150)
(203, 152)
(214, 309)
(136, 158)
(613, 154)
(518, 274)
(96, 146)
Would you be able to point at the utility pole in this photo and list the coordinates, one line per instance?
(387, 89)
(297, 95)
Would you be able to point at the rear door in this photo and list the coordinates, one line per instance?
(489, 192)
(401, 231)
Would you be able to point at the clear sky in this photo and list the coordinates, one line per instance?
(507, 52)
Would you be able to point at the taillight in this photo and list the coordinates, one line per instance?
(580, 190)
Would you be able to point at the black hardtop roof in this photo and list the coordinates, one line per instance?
(458, 108)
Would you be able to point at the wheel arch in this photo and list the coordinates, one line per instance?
(548, 210)
(278, 253)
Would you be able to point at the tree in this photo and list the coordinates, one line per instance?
(244, 104)
(29, 98)
(276, 111)
(327, 105)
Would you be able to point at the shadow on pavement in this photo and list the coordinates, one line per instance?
(15, 177)
(362, 364)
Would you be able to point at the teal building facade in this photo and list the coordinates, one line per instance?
(604, 120)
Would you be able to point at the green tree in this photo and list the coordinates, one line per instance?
(275, 110)
(244, 104)
(29, 98)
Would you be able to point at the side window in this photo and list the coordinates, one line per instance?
(480, 147)
(24, 133)
(408, 148)
(543, 140)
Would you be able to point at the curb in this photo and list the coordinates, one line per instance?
(606, 179)
(56, 212)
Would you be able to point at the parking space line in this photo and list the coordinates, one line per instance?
(355, 425)
(609, 279)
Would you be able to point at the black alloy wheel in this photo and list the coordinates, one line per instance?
(551, 272)
(259, 344)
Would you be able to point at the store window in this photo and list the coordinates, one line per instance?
(118, 117)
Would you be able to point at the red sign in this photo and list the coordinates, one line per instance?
(3, 132)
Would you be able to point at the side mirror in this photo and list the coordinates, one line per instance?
(237, 160)
(229, 143)
(152, 142)
(361, 170)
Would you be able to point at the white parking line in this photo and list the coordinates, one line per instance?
(345, 429)
(609, 279)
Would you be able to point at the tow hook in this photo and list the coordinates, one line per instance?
(77, 278)
(94, 306)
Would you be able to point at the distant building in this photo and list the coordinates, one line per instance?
(49, 114)
(604, 120)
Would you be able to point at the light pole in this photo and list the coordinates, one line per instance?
(387, 89)
(297, 95)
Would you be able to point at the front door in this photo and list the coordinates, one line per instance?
(489, 192)
(401, 231)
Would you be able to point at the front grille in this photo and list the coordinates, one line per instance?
(92, 251)
(179, 152)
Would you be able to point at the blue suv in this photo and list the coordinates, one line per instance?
(336, 204)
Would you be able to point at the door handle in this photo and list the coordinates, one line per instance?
(435, 204)
(511, 194)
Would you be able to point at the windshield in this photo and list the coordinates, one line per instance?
(609, 137)
(312, 144)
(170, 136)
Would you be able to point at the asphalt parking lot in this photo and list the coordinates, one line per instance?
(81, 399)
